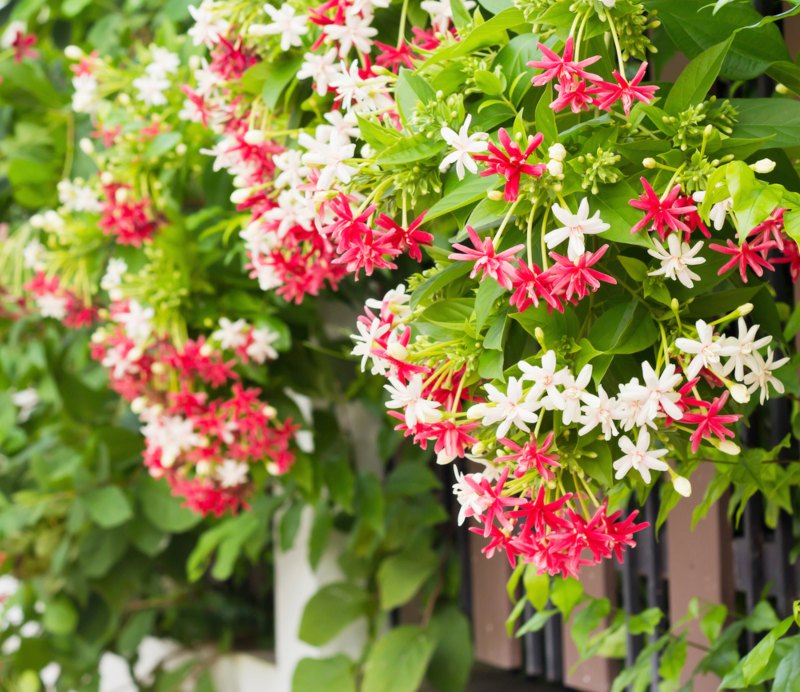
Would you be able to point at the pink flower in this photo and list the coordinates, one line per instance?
(562, 68)
(410, 238)
(531, 284)
(490, 263)
(752, 255)
(531, 456)
(511, 165)
(574, 94)
(710, 423)
(576, 279)
(623, 90)
(662, 215)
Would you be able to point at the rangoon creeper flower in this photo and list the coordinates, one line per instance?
(208, 27)
(357, 30)
(676, 258)
(231, 473)
(321, 68)
(463, 145)
(150, 88)
(508, 408)
(230, 334)
(575, 227)
(138, 321)
(26, 400)
(760, 377)
(574, 393)
(285, 23)
(657, 392)
(261, 348)
(743, 349)
(718, 212)
(368, 337)
(330, 156)
(546, 380)
(409, 397)
(599, 410)
(705, 349)
(639, 456)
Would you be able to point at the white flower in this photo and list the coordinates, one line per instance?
(231, 335)
(742, 350)
(546, 380)
(52, 306)
(25, 400)
(285, 23)
(357, 30)
(657, 392)
(718, 211)
(441, 12)
(705, 349)
(463, 145)
(85, 99)
(172, 435)
(472, 502)
(395, 302)
(599, 410)
(75, 196)
(150, 88)
(294, 208)
(609, 3)
(575, 227)
(33, 256)
(574, 392)
(639, 456)
(508, 408)
(208, 27)
(319, 67)
(409, 398)
(119, 361)
(231, 473)
(676, 259)
(330, 156)
(115, 270)
(292, 171)
(137, 320)
(368, 338)
(261, 348)
(760, 376)
(633, 408)
(163, 62)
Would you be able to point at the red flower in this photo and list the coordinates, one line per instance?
(624, 91)
(392, 58)
(348, 229)
(752, 255)
(662, 215)
(531, 283)
(511, 165)
(406, 238)
(530, 456)
(711, 423)
(487, 260)
(540, 515)
(494, 502)
(771, 229)
(23, 46)
(573, 93)
(576, 278)
(791, 256)
(368, 254)
(560, 67)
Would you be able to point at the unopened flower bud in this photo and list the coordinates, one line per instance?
(203, 468)
(708, 131)
(649, 162)
(240, 196)
(557, 152)
(121, 194)
(555, 168)
(682, 486)
(538, 333)
(73, 53)
(782, 89)
(158, 368)
(106, 178)
(740, 394)
(269, 411)
(478, 448)
(206, 350)
(124, 99)
(675, 305)
(763, 166)
(397, 351)
(273, 469)
(138, 405)
(745, 309)
(254, 137)
(495, 195)
(195, 62)
(180, 150)
(98, 337)
(728, 447)
(86, 146)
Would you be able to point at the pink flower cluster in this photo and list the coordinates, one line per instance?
(130, 221)
(52, 300)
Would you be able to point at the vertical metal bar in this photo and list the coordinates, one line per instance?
(654, 571)
(533, 646)
(554, 655)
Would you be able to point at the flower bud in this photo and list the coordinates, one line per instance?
(240, 196)
(158, 368)
(397, 351)
(478, 448)
(73, 53)
(675, 305)
(708, 131)
(86, 146)
(782, 89)
(180, 150)
(495, 195)
(682, 486)
(206, 350)
(269, 411)
(124, 99)
(195, 62)
(443, 458)
(555, 168)
(254, 137)
(557, 152)
(138, 405)
(739, 393)
(106, 178)
(203, 467)
(745, 309)
(649, 162)
(728, 447)
(763, 166)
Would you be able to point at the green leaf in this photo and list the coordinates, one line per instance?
(411, 149)
(566, 594)
(488, 293)
(545, 117)
(614, 209)
(450, 664)
(537, 622)
(320, 534)
(467, 191)
(289, 525)
(513, 60)
(778, 120)
(330, 610)
(402, 575)
(334, 674)
(60, 616)
(787, 676)
(108, 506)
(537, 587)
(398, 660)
(162, 509)
(280, 72)
(624, 328)
(697, 78)
(411, 89)
(757, 659)
(411, 478)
